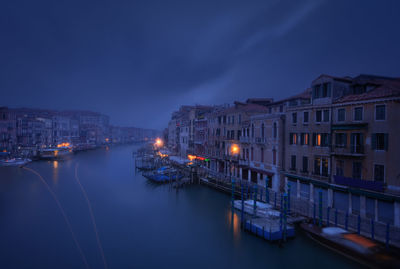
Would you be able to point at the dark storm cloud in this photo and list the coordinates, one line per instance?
(139, 60)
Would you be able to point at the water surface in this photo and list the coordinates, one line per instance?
(140, 225)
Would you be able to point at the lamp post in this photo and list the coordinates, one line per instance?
(234, 151)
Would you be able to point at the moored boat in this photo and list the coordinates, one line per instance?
(14, 162)
(354, 246)
(163, 175)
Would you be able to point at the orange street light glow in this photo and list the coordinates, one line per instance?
(159, 142)
(234, 149)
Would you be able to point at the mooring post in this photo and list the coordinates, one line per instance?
(336, 213)
(359, 224)
(320, 208)
(255, 199)
(314, 213)
(328, 209)
(288, 199)
(233, 192)
(285, 210)
(372, 229)
(266, 191)
(242, 213)
(387, 234)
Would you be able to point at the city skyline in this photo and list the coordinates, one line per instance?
(134, 58)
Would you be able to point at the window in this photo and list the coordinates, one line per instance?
(281, 108)
(321, 166)
(240, 118)
(340, 140)
(341, 114)
(262, 155)
(305, 117)
(379, 172)
(380, 112)
(293, 162)
(325, 167)
(380, 141)
(305, 164)
(252, 154)
(340, 168)
(292, 138)
(275, 130)
(326, 90)
(294, 118)
(270, 110)
(317, 165)
(357, 143)
(318, 116)
(358, 114)
(262, 130)
(304, 140)
(357, 167)
(317, 91)
(326, 115)
(252, 130)
(274, 156)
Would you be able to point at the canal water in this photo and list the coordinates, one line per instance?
(139, 224)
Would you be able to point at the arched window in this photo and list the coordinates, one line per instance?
(275, 130)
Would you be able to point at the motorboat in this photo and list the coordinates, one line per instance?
(55, 153)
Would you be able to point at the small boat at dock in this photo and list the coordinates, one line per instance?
(55, 153)
(163, 175)
(354, 246)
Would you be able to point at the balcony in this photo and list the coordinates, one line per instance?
(356, 150)
(244, 162)
(261, 140)
(360, 183)
(244, 139)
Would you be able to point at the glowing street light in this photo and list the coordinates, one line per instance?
(159, 143)
(235, 149)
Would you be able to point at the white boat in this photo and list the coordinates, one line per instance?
(14, 162)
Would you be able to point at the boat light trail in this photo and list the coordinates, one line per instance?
(91, 216)
(63, 213)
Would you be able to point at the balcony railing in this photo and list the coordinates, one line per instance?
(360, 183)
(351, 150)
(260, 140)
(244, 162)
(244, 139)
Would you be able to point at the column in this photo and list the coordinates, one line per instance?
(397, 214)
(376, 210)
(249, 175)
(241, 173)
(311, 193)
(363, 206)
(258, 178)
(298, 188)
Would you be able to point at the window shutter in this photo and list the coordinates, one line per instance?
(386, 139)
(373, 141)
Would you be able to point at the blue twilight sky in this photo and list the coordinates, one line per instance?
(137, 61)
